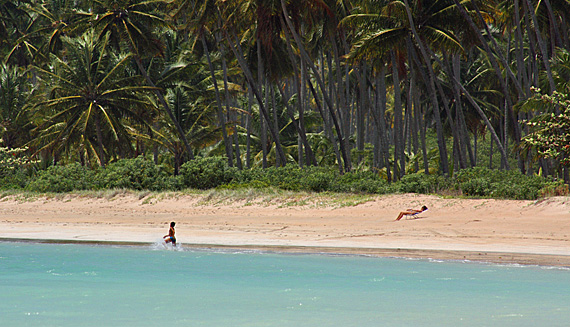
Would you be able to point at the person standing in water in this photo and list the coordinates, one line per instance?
(170, 237)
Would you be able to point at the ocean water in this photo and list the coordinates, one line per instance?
(81, 285)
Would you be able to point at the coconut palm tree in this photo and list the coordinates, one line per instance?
(294, 21)
(431, 26)
(52, 20)
(15, 89)
(133, 23)
(15, 47)
(86, 104)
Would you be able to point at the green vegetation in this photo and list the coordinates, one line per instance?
(211, 173)
(351, 97)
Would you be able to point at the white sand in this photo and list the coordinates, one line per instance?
(480, 229)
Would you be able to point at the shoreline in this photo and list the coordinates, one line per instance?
(481, 230)
(489, 257)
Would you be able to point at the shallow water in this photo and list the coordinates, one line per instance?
(80, 285)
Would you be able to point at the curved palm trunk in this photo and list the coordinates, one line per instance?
(543, 49)
(399, 161)
(482, 114)
(464, 133)
(231, 119)
(166, 107)
(343, 150)
(218, 100)
(328, 128)
(439, 128)
(262, 129)
(251, 83)
(299, 81)
(493, 60)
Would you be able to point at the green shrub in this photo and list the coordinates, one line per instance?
(316, 182)
(480, 186)
(422, 183)
(60, 179)
(360, 182)
(213, 172)
(15, 180)
(136, 174)
(502, 184)
(205, 173)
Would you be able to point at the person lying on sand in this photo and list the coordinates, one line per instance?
(411, 212)
(170, 237)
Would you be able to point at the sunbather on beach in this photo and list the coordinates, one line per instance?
(170, 237)
(410, 212)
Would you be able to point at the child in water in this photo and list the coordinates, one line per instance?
(170, 237)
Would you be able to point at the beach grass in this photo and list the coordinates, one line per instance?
(269, 196)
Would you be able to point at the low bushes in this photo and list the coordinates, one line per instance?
(213, 172)
(58, 179)
(136, 174)
(509, 184)
(206, 173)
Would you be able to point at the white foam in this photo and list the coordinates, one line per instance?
(160, 244)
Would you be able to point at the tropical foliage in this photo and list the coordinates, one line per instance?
(550, 132)
(390, 89)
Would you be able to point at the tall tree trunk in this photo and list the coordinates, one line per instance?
(360, 113)
(221, 117)
(99, 133)
(399, 161)
(384, 142)
(299, 83)
(554, 29)
(519, 52)
(166, 107)
(248, 127)
(482, 114)
(415, 98)
(462, 126)
(492, 58)
(543, 50)
(262, 129)
(444, 165)
(343, 150)
(251, 82)
(230, 115)
(296, 124)
(278, 162)
(328, 129)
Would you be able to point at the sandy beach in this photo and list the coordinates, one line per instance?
(509, 231)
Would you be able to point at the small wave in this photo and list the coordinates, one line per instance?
(160, 245)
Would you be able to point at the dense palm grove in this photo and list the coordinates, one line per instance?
(394, 87)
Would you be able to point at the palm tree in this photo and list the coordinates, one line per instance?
(134, 23)
(86, 102)
(384, 40)
(15, 88)
(52, 20)
(231, 38)
(14, 27)
(293, 26)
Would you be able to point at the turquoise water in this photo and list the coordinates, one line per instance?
(80, 285)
